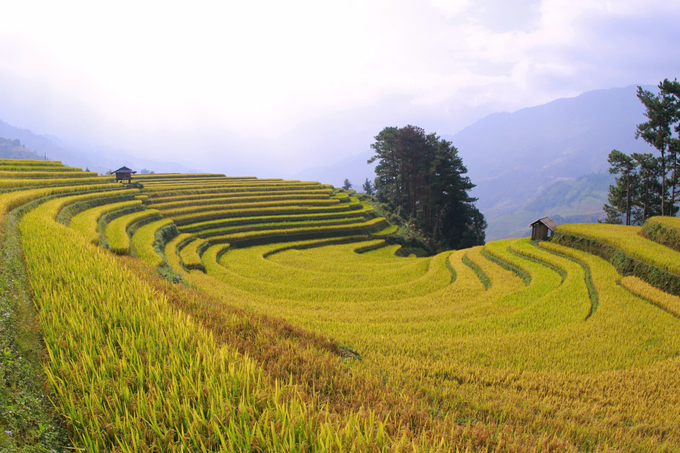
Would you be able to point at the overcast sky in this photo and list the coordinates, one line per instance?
(303, 82)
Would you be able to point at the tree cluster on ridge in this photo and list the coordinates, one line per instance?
(649, 185)
(422, 178)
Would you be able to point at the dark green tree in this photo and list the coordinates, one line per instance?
(636, 194)
(614, 208)
(368, 188)
(387, 181)
(422, 178)
(671, 90)
(346, 184)
(624, 165)
(661, 112)
(647, 199)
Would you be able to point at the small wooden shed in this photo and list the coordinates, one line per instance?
(542, 229)
(124, 174)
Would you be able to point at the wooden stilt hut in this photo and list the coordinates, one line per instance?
(124, 174)
(542, 229)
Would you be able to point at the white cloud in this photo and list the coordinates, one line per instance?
(451, 7)
(260, 68)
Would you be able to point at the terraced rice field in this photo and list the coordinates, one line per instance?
(293, 325)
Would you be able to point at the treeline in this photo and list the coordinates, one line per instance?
(648, 184)
(422, 178)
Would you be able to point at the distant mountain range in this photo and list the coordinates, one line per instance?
(13, 149)
(548, 160)
(53, 148)
(545, 160)
(527, 163)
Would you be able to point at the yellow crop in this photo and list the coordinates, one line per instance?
(627, 239)
(11, 200)
(254, 203)
(117, 230)
(178, 176)
(463, 330)
(235, 200)
(391, 229)
(131, 374)
(189, 254)
(664, 230)
(86, 222)
(30, 163)
(655, 295)
(43, 168)
(293, 223)
(339, 344)
(205, 197)
(213, 225)
(45, 174)
(144, 240)
(203, 216)
(312, 230)
(16, 183)
(172, 253)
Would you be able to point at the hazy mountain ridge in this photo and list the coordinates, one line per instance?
(99, 160)
(517, 160)
(520, 160)
(537, 161)
(529, 149)
(13, 149)
(576, 200)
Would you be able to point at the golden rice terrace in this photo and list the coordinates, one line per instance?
(210, 313)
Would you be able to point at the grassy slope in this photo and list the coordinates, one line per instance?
(28, 420)
(454, 349)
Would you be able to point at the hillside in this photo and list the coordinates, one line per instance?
(515, 157)
(568, 200)
(519, 158)
(199, 312)
(98, 159)
(13, 149)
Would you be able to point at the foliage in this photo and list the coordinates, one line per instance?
(13, 149)
(368, 188)
(422, 177)
(623, 164)
(636, 194)
(645, 187)
(346, 184)
(663, 114)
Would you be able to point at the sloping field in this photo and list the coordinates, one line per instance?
(293, 326)
(246, 211)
